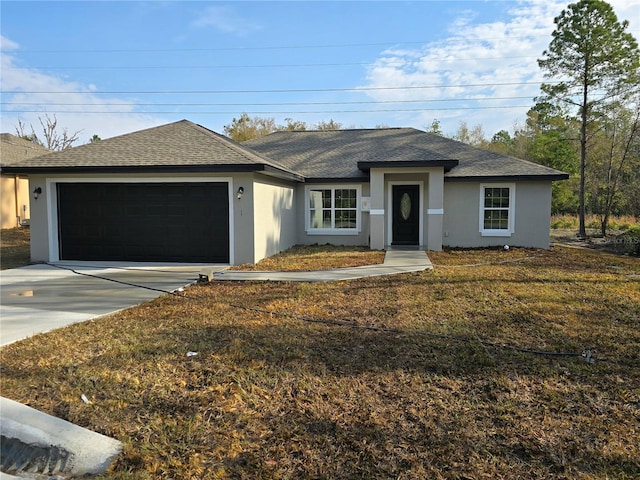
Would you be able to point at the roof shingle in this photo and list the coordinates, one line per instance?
(178, 144)
(339, 153)
(299, 155)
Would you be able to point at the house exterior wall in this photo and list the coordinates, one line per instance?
(462, 216)
(44, 222)
(14, 201)
(274, 218)
(39, 229)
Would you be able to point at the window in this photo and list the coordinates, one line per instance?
(496, 210)
(333, 209)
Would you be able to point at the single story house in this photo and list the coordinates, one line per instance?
(14, 189)
(183, 193)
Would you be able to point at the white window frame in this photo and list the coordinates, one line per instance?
(511, 221)
(332, 231)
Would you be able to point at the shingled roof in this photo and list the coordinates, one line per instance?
(349, 154)
(14, 149)
(178, 146)
(326, 155)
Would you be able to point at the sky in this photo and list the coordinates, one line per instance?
(112, 67)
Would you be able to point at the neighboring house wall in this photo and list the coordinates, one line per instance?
(14, 190)
(14, 201)
(275, 223)
(530, 215)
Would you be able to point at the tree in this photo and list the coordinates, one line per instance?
(548, 139)
(330, 125)
(435, 127)
(474, 137)
(616, 161)
(52, 137)
(501, 142)
(293, 125)
(95, 138)
(246, 127)
(592, 61)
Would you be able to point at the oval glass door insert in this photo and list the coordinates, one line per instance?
(405, 206)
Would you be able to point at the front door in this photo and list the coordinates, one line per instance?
(406, 215)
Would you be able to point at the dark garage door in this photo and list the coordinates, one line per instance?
(144, 222)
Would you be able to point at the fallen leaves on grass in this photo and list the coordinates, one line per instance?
(14, 248)
(270, 395)
(317, 257)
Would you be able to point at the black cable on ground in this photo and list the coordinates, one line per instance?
(114, 280)
(587, 354)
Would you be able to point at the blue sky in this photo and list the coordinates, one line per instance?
(110, 68)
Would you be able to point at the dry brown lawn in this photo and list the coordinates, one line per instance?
(410, 376)
(14, 248)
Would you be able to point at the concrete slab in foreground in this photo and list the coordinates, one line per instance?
(35, 443)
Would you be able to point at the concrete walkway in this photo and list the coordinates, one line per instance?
(395, 261)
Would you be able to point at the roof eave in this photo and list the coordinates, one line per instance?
(512, 178)
(240, 168)
(275, 172)
(365, 166)
(364, 179)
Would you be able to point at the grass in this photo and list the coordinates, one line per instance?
(14, 248)
(616, 223)
(387, 377)
(317, 257)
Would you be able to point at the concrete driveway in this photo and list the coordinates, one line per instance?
(40, 298)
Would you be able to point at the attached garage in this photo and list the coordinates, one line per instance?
(144, 222)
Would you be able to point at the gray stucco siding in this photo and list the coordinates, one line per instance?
(531, 215)
(274, 217)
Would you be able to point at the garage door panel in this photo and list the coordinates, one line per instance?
(181, 222)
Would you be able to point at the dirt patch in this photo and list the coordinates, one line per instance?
(618, 242)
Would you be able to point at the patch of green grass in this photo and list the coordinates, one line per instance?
(14, 248)
(386, 377)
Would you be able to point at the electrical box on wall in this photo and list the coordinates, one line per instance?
(365, 204)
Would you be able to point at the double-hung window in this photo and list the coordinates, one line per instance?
(333, 209)
(497, 209)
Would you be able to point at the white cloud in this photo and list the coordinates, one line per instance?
(27, 90)
(225, 20)
(500, 55)
(6, 44)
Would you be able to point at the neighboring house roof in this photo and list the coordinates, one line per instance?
(15, 149)
(325, 155)
(349, 154)
(178, 146)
